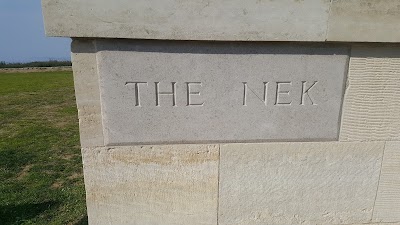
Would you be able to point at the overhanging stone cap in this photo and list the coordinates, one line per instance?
(229, 20)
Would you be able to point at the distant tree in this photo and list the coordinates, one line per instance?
(50, 63)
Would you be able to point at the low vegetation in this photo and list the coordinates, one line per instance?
(51, 63)
(40, 162)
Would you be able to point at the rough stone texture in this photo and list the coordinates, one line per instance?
(283, 20)
(131, 114)
(87, 93)
(298, 183)
(387, 206)
(371, 109)
(364, 21)
(175, 184)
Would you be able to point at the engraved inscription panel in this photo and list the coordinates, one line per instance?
(198, 92)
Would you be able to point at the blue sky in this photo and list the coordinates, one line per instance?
(22, 35)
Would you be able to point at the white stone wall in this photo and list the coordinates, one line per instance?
(355, 180)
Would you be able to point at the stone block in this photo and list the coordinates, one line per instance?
(298, 183)
(371, 108)
(283, 20)
(396, 223)
(87, 93)
(387, 206)
(364, 21)
(176, 184)
(207, 92)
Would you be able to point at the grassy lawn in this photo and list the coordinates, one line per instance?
(41, 179)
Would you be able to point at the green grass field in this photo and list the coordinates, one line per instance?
(41, 179)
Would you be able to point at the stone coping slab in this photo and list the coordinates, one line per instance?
(258, 20)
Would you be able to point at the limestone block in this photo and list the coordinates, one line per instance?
(175, 184)
(396, 223)
(87, 93)
(283, 20)
(208, 92)
(387, 206)
(371, 109)
(364, 21)
(298, 183)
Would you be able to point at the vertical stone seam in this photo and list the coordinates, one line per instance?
(345, 86)
(370, 223)
(379, 180)
(98, 83)
(327, 21)
(219, 180)
(218, 191)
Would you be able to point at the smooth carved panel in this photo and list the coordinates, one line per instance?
(186, 92)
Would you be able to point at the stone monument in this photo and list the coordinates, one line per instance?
(236, 112)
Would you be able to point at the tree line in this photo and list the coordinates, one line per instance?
(50, 63)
